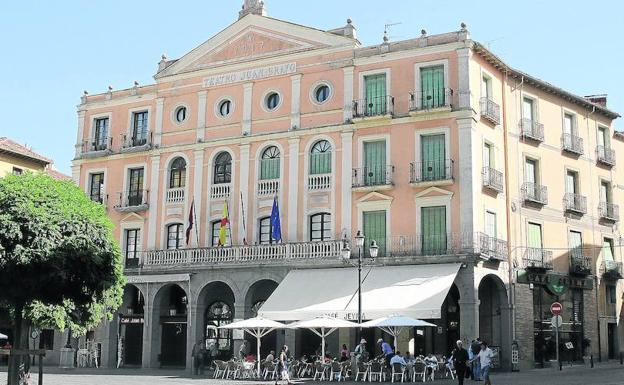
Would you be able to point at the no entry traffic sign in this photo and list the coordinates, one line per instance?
(556, 308)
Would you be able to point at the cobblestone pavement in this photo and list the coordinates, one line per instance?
(607, 374)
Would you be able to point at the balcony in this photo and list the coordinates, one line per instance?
(580, 264)
(572, 144)
(319, 182)
(492, 179)
(132, 143)
(609, 211)
(430, 100)
(449, 244)
(97, 147)
(372, 177)
(220, 191)
(605, 156)
(531, 129)
(491, 248)
(431, 172)
(268, 187)
(132, 201)
(537, 258)
(370, 107)
(490, 110)
(575, 203)
(611, 270)
(534, 193)
(175, 195)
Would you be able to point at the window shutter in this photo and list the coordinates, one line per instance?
(374, 230)
(535, 235)
(374, 163)
(375, 94)
(433, 223)
(433, 157)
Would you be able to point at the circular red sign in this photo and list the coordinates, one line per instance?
(556, 308)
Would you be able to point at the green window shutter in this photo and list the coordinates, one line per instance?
(375, 94)
(374, 163)
(320, 163)
(433, 226)
(433, 157)
(269, 168)
(535, 235)
(432, 87)
(374, 224)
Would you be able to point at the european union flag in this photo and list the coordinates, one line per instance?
(276, 227)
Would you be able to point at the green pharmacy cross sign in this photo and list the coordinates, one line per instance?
(557, 284)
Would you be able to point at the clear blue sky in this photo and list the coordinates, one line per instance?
(52, 50)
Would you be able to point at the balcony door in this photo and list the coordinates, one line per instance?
(135, 187)
(433, 157)
(490, 224)
(433, 230)
(139, 128)
(527, 109)
(575, 240)
(432, 87)
(604, 192)
(375, 94)
(534, 236)
(374, 163)
(571, 182)
(101, 134)
(374, 226)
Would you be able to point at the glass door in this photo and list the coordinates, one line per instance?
(135, 187)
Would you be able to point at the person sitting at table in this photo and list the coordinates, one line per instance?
(270, 357)
(407, 357)
(344, 353)
(431, 364)
(250, 358)
(398, 359)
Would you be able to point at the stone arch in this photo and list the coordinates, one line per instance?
(169, 326)
(216, 306)
(495, 316)
(131, 323)
(256, 295)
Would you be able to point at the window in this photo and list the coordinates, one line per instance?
(433, 154)
(374, 227)
(270, 163)
(374, 171)
(432, 86)
(321, 93)
(488, 155)
(605, 192)
(266, 230)
(490, 224)
(216, 228)
(100, 136)
(320, 157)
(272, 101)
(177, 173)
(132, 247)
(607, 250)
(486, 87)
(603, 139)
(611, 294)
(135, 187)
(320, 227)
(528, 109)
(175, 236)
(225, 108)
(17, 171)
(219, 314)
(575, 241)
(46, 339)
(531, 171)
(139, 128)
(375, 88)
(222, 168)
(96, 187)
(180, 114)
(572, 186)
(568, 125)
(433, 230)
(534, 236)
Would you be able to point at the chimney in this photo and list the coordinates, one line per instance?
(600, 100)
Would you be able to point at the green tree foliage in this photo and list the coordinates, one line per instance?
(59, 263)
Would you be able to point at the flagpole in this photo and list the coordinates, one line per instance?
(229, 223)
(243, 218)
(196, 223)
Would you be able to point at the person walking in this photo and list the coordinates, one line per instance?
(199, 354)
(386, 351)
(360, 350)
(475, 347)
(283, 366)
(460, 360)
(485, 360)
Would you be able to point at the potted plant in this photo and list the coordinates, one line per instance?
(586, 351)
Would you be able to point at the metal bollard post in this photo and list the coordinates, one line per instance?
(591, 360)
(621, 359)
(560, 365)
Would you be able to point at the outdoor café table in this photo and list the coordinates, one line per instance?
(248, 370)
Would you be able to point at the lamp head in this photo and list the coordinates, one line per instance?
(359, 239)
(374, 249)
(345, 251)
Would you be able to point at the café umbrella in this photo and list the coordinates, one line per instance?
(323, 327)
(257, 327)
(395, 324)
(3, 337)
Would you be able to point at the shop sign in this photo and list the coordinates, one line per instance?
(556, 283)
(131, 320)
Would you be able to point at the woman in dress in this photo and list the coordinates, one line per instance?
(283, 365)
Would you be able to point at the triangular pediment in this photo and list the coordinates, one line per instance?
(132, 217)
(434, 192)
(374, 196)
(254, 37)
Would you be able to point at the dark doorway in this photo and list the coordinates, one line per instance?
(173, 350)
(612, 340)
(134, 345)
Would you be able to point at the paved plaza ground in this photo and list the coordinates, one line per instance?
(604, 374)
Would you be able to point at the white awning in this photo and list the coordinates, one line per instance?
(416, 291)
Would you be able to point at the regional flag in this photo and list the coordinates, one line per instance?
(190, 222)
(225, 221)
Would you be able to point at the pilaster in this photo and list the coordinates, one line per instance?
(160, 103)
(467, 177)
(201, 115)
(463, 67)
(244, 191)
(153, 202)
(293, 188)
(345, 188)
(198, 174)
(348, 93)
(247, 100)
(76, 175)
(295, 108)
(80, 134)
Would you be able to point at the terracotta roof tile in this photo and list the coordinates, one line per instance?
(8, 145)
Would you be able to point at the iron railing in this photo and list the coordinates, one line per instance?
(144, 139)
(575, 202)
(611, 269)
(430, 99)
(372, 176)
(431, 171)
(537, 258)
(605, 155)
(580, 264)
(133, 200)
(374, 106)
(490, 110)
(532, 129)
(97, 145)
(572, 143)
(492, 247)
(492, 179)
(532, 192)
(609, 211)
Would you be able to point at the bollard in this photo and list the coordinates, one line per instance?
(560, 365)
(591, 360)
(621, 359)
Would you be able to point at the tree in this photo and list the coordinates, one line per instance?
(59, 263)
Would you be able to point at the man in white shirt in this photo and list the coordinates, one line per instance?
(397, 359)
(485, 358)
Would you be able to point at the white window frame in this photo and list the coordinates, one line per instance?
(95, 117)
(87, 184)
(131, 112)
(434, 63)
(422, 200)
(363, 74)
(372, 138)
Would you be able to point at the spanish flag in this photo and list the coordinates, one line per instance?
(225, 221)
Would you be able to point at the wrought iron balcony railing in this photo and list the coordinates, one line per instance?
(97, 146)
(491, 247)
(611, 270)
(605, 155)
(430, 99)
(609, 211)
(490, 110)
(580, 264)
(575, 203)
(431, 171)
(372, 176)
(492, 179)
(532, 129)
(140, 141)
(374, 106)
(537, 258)
(534, 193)
(133, 201)
(572, 143)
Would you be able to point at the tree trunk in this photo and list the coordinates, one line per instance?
(20, 341)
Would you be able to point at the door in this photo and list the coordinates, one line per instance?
(575, 241)
(612, 336)
(568, 131)
(527, 109)
(139, 132)
(133, 348)
(101, 134)
(433, 157)
(571, 182)
(530, 175)
(135, 187)
(432, 83)
(374, 163)
(433, 230)
(375, 95)
(604, 192)
(490, 224)
(374, 224)
(173, 345)
(534, 242)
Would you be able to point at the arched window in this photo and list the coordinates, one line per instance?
(219, 314)
(177, 173)
(222, 168)
(175, 236)
(264, 236)
(320, 157)
(320, 227)
(270, 163)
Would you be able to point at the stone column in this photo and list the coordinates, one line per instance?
(244, 190)
(295, 105)
(468, 304)
(345, 186)
(148, 329)
(463, 66)
(524, 325)
(201, 115)
(160, 102)
(80, 134)
(247, 107)
(348, 93)
(153, 202)
(198, 174)
(466, 169)
(293, 188)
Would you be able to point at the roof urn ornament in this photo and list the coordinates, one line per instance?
(255, 7)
